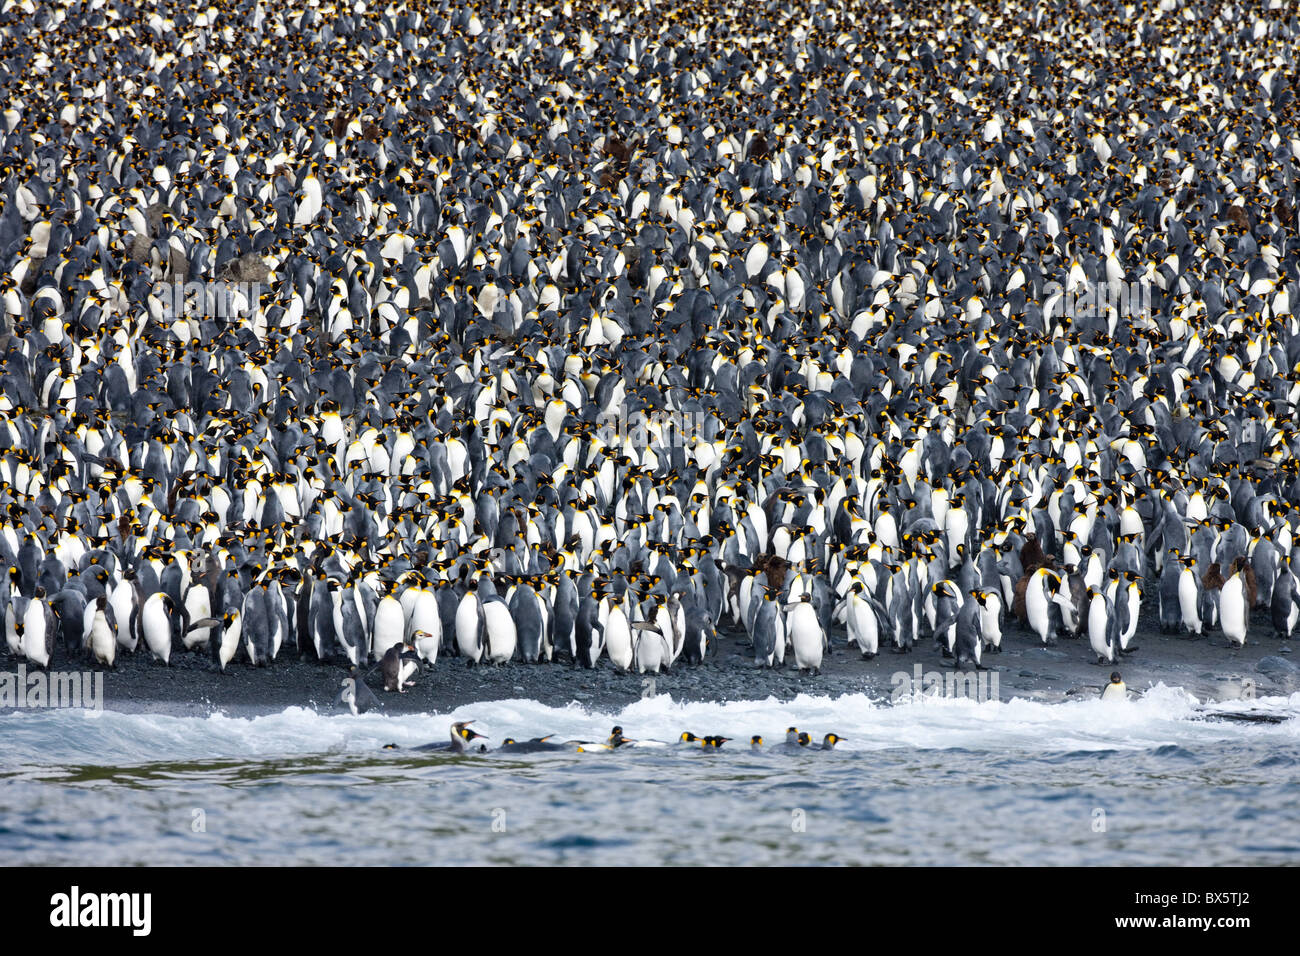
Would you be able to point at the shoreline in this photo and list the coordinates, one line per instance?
(1206, 668)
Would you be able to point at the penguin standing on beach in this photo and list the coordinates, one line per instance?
(1284, 603)
(102, 639)
(806, 635)
(1102, 625)
(399, 666)
(1234, 609)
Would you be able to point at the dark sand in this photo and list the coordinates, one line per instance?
(1204, 666)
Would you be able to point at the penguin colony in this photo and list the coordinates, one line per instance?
(593, 331)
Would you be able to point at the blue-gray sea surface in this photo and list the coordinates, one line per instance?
(1150, 781)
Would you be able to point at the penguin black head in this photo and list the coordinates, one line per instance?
(465, 732)
(830, 740)
(756, 740)
(804, 739)
(714, 742)
(688, 737)
(1115, 678)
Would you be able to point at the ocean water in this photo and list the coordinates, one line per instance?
(1157, 780)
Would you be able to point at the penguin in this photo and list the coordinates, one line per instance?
(652, 651)
(389, 628)
(462, 738)
(355, 695)
(968, 643)
(37, 629)
(1038, 601)
(426, 645)
(806, 635)
(469, 626)
(863, 616)
(1115, 689)
(1189, 596)
(227, 645)
(795, 740)
(768, 631)
(830, 740)
(1169, 594)
(989, 603)
(533, 746)
(1102, 626)
(756, 743)
(1234, 609)
(151, 622)
(102, 639)
(500, 637)
(399, 666)
(619, 640)
(1285, 601)
(713, 742)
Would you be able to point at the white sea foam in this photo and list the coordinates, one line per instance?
(1163, 715)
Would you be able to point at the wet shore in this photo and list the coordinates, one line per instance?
(1205, 666)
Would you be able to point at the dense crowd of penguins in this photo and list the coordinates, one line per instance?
(568, 331)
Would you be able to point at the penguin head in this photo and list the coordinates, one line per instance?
(1115, 678)
(830, 740)
(463, 730)
(688, 737)
(804, 738)
(756, 740)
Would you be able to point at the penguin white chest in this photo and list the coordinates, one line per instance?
(806, 636)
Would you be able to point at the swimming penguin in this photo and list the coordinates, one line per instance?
(535, 745)
(461, 740)
(1115, 690)
(613, 742)
(399, 666)
(794, 740)
(830, 740)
